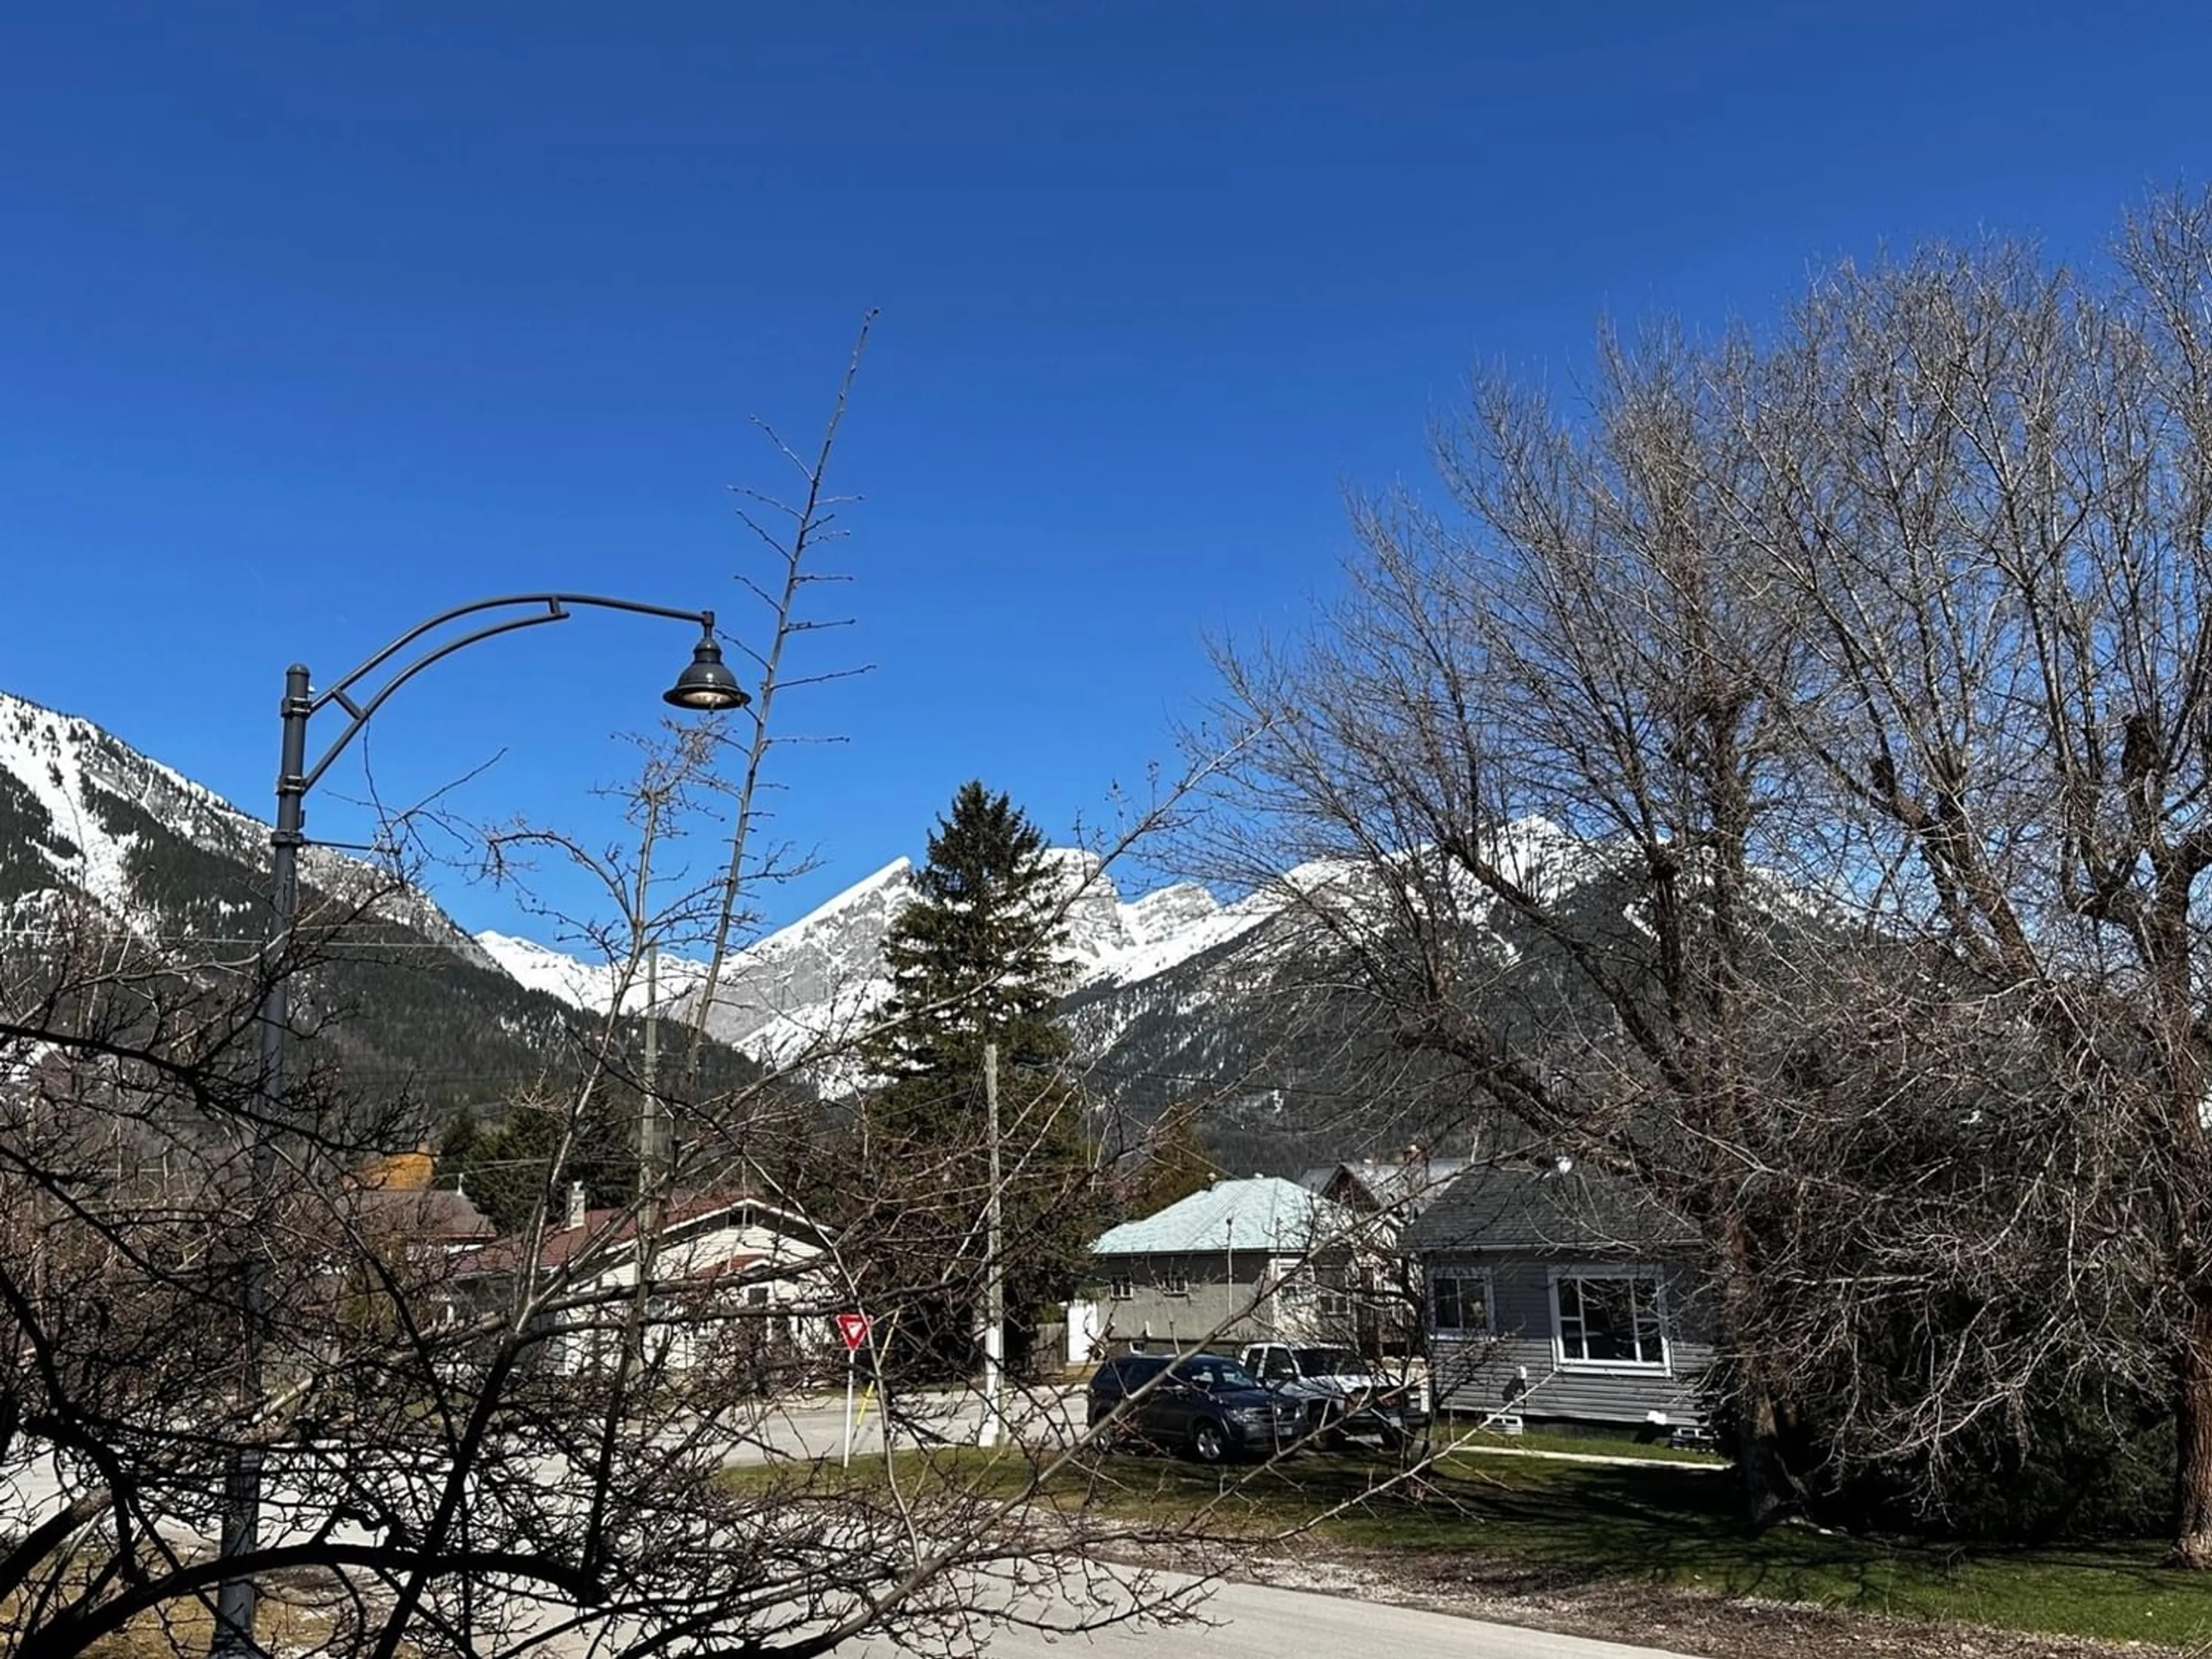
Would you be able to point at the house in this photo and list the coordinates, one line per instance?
(390, 1200)
(441, 1220)
(733, 1279)
(1397, 1187)
(1557, 1293)
(1241, 1261)
(394, 1234)
(1391, 1192)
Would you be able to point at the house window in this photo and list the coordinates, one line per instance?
(1120, 1285)
(1458, 1302)
(1608, 1317)
(1175, 1281)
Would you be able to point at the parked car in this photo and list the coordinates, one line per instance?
(1205, 1404)
(1340, 1395)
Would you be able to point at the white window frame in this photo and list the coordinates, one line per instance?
(1172, 1281)
(1463, 1332)
(1662, 1366)
(1120, 1285)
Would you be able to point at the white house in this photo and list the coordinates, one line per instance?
(735, 1280)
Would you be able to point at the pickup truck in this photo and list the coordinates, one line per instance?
(1344, 1397)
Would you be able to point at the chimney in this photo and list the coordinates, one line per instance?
(576, 1203)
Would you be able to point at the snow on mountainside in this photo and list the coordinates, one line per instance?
(93, 831)
(1169, 994)
(822, 975)
(85, 813)
(817, 980)
(813, 980)
(582, 984)
(67, 778)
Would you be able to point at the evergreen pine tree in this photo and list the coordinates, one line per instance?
(974, 960)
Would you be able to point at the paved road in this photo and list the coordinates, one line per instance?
(1252, 1621)
(813, 1426)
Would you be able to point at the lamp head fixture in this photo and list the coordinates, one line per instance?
(707, 684)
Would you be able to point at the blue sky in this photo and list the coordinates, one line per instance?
(316, 320)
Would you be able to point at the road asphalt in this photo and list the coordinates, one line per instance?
(1256, 1621)
(813, 1426)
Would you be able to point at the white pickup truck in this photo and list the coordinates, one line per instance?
(1345, 1397)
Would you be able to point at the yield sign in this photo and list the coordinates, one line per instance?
(853, 1327)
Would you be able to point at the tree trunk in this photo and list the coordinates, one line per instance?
(1766, 1482)
(2193, 1438)
(1759, 1455)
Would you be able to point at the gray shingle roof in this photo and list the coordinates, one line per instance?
(1517, 1207)
(1408, 1186)
(1263, 1214)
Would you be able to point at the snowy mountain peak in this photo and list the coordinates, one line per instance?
(894, 880)
(83, 813)
(1166, 911)
(585, 984)
(806, 984)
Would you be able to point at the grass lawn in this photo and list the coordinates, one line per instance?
(1579, 1445)
(1580, 1523)
(1680, 1528)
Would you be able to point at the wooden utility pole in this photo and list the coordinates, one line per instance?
(994, 1283)
(650, 1161)
(652, 1196)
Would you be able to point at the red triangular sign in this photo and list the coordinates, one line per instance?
(853, 1327)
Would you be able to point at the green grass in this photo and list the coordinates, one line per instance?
(1676, 1527)
(1560, 1523)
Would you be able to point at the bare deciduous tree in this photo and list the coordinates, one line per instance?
(1987, 484)
(1858, 678)
(1532, 746)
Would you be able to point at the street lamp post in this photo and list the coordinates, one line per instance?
(706, 684)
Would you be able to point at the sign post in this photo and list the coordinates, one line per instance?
(853, 1327)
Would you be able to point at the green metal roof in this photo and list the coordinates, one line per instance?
(1262, 1213)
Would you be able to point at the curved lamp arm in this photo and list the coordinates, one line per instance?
(338, 691)
(706, 684)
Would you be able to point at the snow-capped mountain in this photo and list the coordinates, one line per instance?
(84, 813)
(808, 985)
(92, 829)
(590, 985)
(1172, 994)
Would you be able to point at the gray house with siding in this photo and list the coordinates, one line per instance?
(1243, 1261)
(1555, 1293)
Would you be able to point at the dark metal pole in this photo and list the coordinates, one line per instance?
(236, 1597)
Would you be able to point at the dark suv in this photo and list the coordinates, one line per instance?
(1201, 1402)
